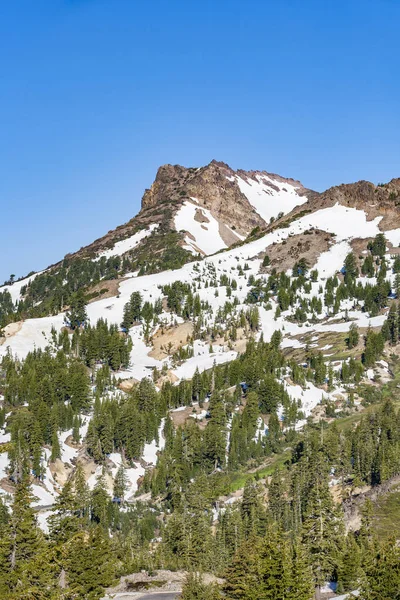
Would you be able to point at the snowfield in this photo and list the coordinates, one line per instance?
(34, 333)
(202, 363)
(202, 227)
(331, 261)
(266, 199)
(15, 288)
(393, 235)
(129, 243)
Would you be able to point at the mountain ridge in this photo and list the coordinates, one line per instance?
(217, 189)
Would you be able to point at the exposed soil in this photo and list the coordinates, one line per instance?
(169, 376)
(10, 330)
(160, 581)
(200, 216)
(285, 254)
(60, 471)
(105, 289)
(180, 417)
(168, 340)
(352, 506)
(127, 384)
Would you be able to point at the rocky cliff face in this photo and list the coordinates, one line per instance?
(376, 200)
(219, 189)
(213, 189)
(217, 202)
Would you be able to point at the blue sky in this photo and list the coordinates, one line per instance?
(96, 94)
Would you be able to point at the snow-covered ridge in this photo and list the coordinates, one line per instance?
(266, 199)
(129, 243)
(15, 288)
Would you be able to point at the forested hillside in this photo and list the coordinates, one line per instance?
(213, 420)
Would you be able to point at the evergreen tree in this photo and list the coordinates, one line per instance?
(76, 316)
(301, 577)
(64, 522)
(353, 337)
(90, 564)
(25, 559)
(55, 447)
(120, 483)
(195, 589)
(351, 270)
(100, 501)
(75, 430)
(382, 581)
(322, 528)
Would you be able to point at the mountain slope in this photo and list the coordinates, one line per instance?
(234, 310)
(234, 203)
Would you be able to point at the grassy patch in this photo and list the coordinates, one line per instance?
(386, 513)
(238, 479)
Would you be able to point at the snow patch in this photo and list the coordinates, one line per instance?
(129, 243)
(268, 201)
(206, 235)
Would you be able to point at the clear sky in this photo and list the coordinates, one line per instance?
(96, 94)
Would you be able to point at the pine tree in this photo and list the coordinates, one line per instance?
(75, 430)
(82, 493)
(322, 528)
(351, 270)
(55, 447)
(195, 589)
(301, 578)
(242, 575)
(64, 522)
(90, 564)
(353, 337)
(99, 503)
(120, 483)
(349, 571)
(275, 566)
(25, 559)
(382, 581)
(77, 315)
(250, 507)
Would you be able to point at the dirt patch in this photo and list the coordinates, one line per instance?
(104, 289)
(180, 417)
(160, 581)
(309, 245)
(168, 377)
(7, 485)
(10, 330)
(60, 471)
(228, 236)
(239, 345)
(168, 340)
(352, 506)
(127, 384)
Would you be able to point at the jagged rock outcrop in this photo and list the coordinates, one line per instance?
(215, 200)
(216, 188)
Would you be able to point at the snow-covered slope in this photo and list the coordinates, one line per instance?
(15, 288)
(200, 227)
(344, 223)
(127, 244)
(269, 196)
